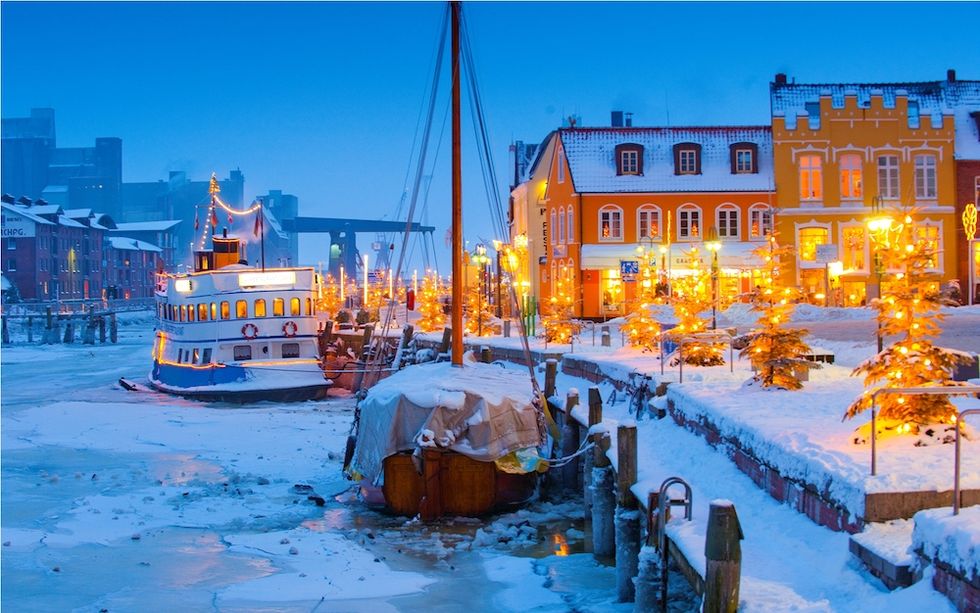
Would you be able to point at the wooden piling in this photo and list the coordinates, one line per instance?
(723, 558)
(627, 514)
(588, 462)
(569, 442)
(69, 332)
(30, 329)
(447, 337)
(113, 329)
(102, 329)
(506, 328)
(603, 488)
(5, 334)
(550, 374)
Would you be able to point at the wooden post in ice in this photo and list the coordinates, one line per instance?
(550, 374)
(485, 355)
(30, 329)
(5, 334)
(102, 329)
(69, 331)
(113, 329)
(569, 442)
(603, 496)
(588, 462)
(627, 514)
(89, 335)
(723, 558)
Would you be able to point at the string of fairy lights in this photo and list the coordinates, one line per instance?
(211, 218)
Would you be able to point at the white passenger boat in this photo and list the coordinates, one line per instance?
(234, 333)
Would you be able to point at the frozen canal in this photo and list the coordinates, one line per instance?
(136, 501)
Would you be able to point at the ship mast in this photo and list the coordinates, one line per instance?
(456, 322)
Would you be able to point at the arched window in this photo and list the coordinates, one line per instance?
(294, 307)
(260, 307)
(309, 307)
(225, 310)
(570, 272)
(689, 222)
(278, 307)
(850, 177)
(553, 227)
(760, 221)
(611, 223)
(648, 222)
(554, 272)
(241, 309)
(727, 221)
(561, 225)
(570, 229)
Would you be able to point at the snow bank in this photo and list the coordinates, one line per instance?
(953, 539)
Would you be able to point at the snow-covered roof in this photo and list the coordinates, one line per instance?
(273, 223)
(934, 98)
(47, 209)
(131, 244)
(68, 222)
(23, 211)
(591, 158)
(78, 213)
(146, 226)
(4, 283)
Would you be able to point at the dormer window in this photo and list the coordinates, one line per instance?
(629, 159)
(744, 158)
(687, 159)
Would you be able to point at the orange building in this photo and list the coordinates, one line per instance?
(841, 151)
(613, 195)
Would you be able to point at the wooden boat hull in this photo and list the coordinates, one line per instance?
(450, 484)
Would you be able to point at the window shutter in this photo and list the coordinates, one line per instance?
(733, 167)
(697, 159)
(677, 159)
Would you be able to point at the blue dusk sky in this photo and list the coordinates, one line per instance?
(321, 100)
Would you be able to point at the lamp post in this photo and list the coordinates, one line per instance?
(713, 245)
(879, 224)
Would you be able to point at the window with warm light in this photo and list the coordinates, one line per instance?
(855, 246)
(260, 307)
(760, 222)
(888, 186)
(214, 311)
(278, 307)
(688, 223)
(648, 223)
(225, 310)
(809, 239)
(811, 177)
(728, 222)
(190, 312)
(310, 307)
(925, 177)
(202, 312)
(241, 309)
(294, 308)
(610, 223)
(850, 177)
(930, 234)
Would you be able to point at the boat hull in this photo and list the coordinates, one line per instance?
(226, 384)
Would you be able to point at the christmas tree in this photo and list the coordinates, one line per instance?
(557, 321)
(431, 315)
(776, 352)
(640, 328)
(691, 297)
(329, 301)
(909, 309)
(480, 319)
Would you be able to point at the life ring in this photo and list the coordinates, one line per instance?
(250, 331)
(289, 329)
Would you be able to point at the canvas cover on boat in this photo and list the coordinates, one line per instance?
(480, 410)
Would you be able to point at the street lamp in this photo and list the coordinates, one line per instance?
(713, 245)
(879, 224)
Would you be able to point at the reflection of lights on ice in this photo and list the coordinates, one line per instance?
(561, 546)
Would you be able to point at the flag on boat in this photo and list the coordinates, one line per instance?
(214, 218)
(258, 223)
(197, 223)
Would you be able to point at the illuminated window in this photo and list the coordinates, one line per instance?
(648, 222)
(760, 221)
(610, 223)
(808, 241)
(930, 234)
(688, 223)
(811, 178)
(190, 312)
(629, 162)
(260, 307)
(214, 311)
(854, 256)
(728, 222)
(310, 307)
(570, 217)
(202, 312)
(241, 309)
(278, 307)
(561, 225)
(225, 310)
(197, 355)
(888, 176)
(850, 177)
(925, 177)
(553, 227)
(294, 307)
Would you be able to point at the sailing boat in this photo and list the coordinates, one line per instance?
(450, 439)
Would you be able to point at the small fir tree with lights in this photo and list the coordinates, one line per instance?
(641, 329)
(557, 322)
(431, 315)
(776, 352)
(909, 309)
(329, 300)
(691, 297)
(480, 320)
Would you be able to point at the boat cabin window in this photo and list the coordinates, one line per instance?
(196, 356)
(260, 307)
(202, 312)
(206, 358)
(225, 310)
(190, 312)
(242, 352)
(309, 306)
(241, 309)
(278, 307)
(290, 350)
(294, 307)
(183, 312)
(214, 311)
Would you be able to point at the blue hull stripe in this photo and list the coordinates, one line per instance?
(178, 376)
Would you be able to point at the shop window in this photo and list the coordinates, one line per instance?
(290, 350)
(854, 256)
(242, 352)
(888, 185)
(612, 291)
(278, 307)
(610, 223)
(294, 307)
(850, 177)
(811, 177)
(241, 309)
(808, 241)
(260, 307)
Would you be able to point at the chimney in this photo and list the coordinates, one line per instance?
(25, 201)
(780, 78)
(617, 119)
(629, 120)
(950, 75)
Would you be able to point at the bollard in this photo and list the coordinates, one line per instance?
(113, 329)
(595, 417)
(627, 514)
(606, 339)
(723, 557)
(569, 442)
(485, 356)
(506, 328)
(550, 374)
